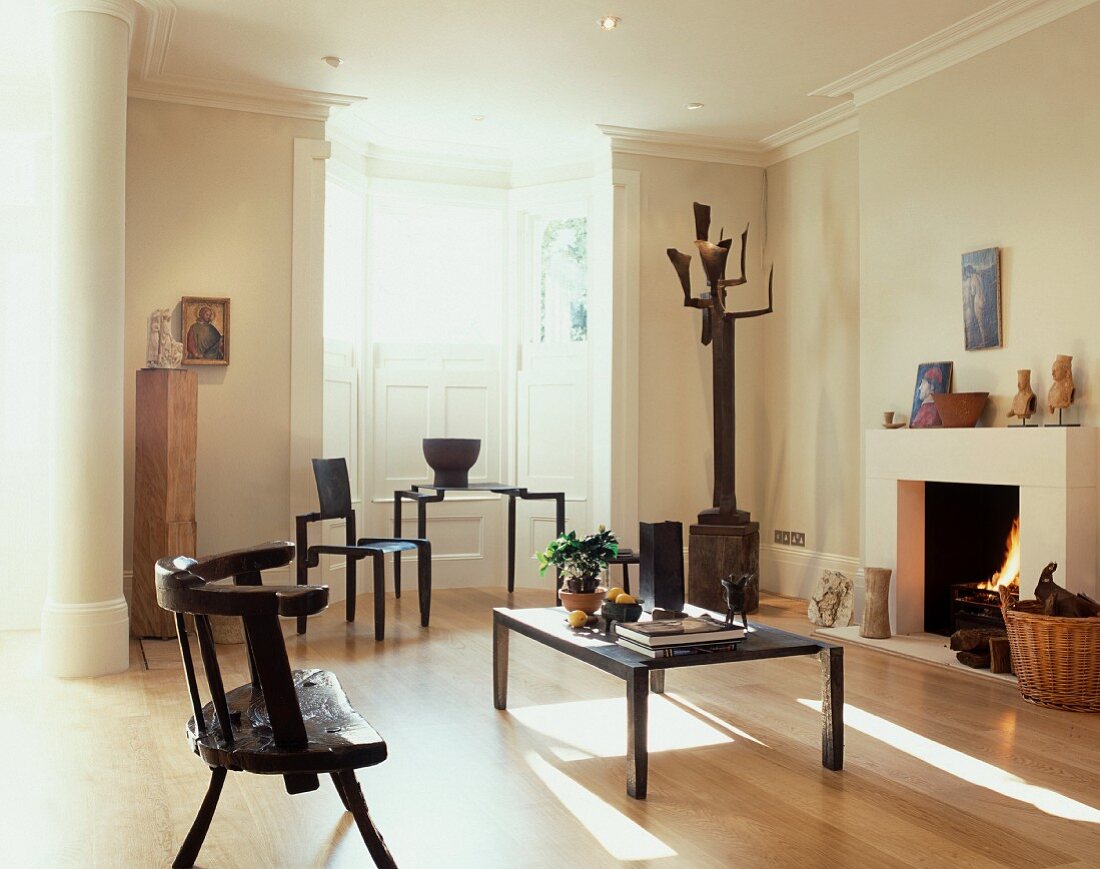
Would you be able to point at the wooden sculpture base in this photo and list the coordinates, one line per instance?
(715, 552)
(165, 438)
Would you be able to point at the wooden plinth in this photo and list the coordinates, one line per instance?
(715, 552)
(165, 434)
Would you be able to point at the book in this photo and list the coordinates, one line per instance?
(679, 651)
(678, 632)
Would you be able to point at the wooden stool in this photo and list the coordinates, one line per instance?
(626, 557)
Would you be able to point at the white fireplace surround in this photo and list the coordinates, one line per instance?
(1055, 468)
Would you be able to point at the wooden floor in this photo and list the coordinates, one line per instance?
(941, 769)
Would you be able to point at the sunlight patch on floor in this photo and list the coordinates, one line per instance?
(621, 837)
(963, 766)
(597, 728)
(714, 719)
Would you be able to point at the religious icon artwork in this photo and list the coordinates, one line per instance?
(205, 331)
(932, 377)
(981, 297)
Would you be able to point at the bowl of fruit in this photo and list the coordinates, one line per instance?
(621, 607)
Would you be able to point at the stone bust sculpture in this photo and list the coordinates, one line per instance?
(1062, 391)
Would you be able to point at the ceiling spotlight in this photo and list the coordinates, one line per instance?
(693, 106)
(609, 22)
(332, 60)
(479, 117)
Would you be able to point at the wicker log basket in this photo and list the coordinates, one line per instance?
(1056, 659)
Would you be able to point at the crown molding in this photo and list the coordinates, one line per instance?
(684, 146)
(238, 96)
(954, 44)
(834, 123)
(523, 168)
(149, 81)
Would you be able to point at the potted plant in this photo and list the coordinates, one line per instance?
(581, 561)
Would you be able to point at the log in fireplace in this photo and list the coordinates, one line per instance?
(975, 607)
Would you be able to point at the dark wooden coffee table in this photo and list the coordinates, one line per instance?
(547, 626)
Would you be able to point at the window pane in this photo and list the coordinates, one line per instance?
(345, 235)
(563, 281)
(436, 273)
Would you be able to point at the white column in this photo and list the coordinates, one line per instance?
(85, 622)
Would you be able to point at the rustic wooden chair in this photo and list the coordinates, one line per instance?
(293, 723)
(334, 495)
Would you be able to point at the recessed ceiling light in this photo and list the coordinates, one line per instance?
(479, 117)
(332, 60)
(609, 22)
(693, 106)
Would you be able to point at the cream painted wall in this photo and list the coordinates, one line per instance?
(675, 437)
(807, 433)
(998, 151)
(208, 212)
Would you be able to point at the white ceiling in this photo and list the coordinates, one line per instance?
(540, 73)
(544, 72)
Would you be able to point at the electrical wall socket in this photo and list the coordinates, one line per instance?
(778, 536)
(786, 538)
(798, 538)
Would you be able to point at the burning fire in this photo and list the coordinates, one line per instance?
(1009, 574)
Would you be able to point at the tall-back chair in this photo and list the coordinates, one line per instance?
(294, 723)
(334, 495)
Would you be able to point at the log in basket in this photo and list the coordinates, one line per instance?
(1057, 659)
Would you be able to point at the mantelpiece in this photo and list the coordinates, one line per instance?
(1055, 468)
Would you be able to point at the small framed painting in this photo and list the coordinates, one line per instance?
(205, 330)
(932, 377)
(981, 296)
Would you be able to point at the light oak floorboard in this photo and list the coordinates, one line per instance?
(100, 773)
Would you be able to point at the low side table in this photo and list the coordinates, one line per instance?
(429, 493)
(643, 674)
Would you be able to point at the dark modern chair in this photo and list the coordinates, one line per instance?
(334, 495)
(293, 723)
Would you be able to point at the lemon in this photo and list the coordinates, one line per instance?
(625, 598)
(614, 593)
(577, 619)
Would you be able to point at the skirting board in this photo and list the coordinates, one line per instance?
(785, 570)
(793, 571)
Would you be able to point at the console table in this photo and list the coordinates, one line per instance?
(429, 493)
(642, 674)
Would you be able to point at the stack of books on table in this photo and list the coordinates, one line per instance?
(668, 638)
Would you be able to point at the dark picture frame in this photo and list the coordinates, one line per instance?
(205, 321)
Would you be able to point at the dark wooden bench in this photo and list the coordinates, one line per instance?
(293, 723)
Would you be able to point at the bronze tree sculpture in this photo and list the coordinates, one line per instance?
(718, 331)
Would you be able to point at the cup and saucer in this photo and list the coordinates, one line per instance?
(888, 420)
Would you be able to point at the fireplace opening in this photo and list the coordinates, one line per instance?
(967, 530)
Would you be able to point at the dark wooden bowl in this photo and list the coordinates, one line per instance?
(451, 459)
(622, 612)
(960, 409)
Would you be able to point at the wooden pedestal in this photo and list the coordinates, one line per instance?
(165, 434)
(716, 551)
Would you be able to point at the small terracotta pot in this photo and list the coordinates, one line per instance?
(589, 602)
